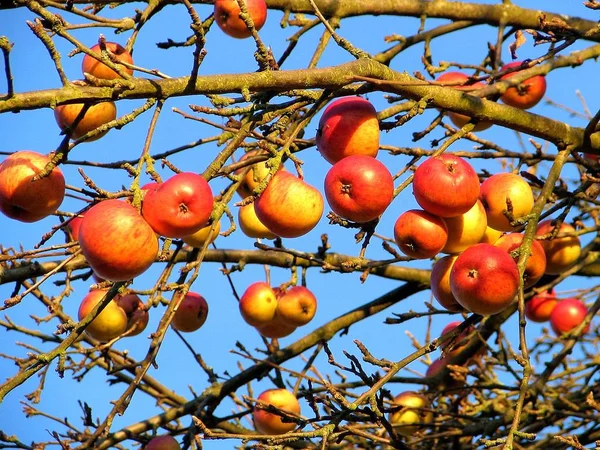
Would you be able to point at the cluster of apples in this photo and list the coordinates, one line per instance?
(97, 114)
(524, 96)
(277, 312)
(128, 314)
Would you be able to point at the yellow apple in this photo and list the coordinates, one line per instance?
(465, 230)
(410, 416)
(199, 237)
(107, 325)
(562, 252)
(251, 225)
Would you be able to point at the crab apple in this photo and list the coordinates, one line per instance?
(465, 230)
(110, 323)
(527, 94)
(276, 329)
(536, 262)
(271, 423)
(253, 175)
(348, 126)
(296, 306)
(199, 238)
(411, 414)
(446, 185)
(289, 207)
(95, 116)
(359, 188)
(460, 81)
(165, 442)
(484, 279)
(116, 241)
(227, 16)
(504, 192)
(99, 69)
(540, 306)
(26, 200)
(562, 252)
(258, 304)
(180, 206)
(251, 225)
(137, 315)
(419, 234)
(440, 283)
(191, 313)
(567, 315)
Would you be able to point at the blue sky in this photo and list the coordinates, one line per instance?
(37, 130)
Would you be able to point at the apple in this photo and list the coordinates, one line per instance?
(540, 306)
(201, 236)
(296, 306)
(460, 81)
(567, 315)
(289, 207)
(465, 230)
(116, 241)
(419, 234)
(348, 126)
(99, 69)
(491, 235)
(26, 200)
(440, 283)
(253, 175)
(410, 413)
(110, 323)
(500, 190)
(180, 206)
(527, 94)
(95, 116)
(270, 423)
(359, 188)
(484, 279)
(536, 263)
(251, 225)
(137, 315)
(276, 329)
(562, 252)
(258, 304)
(458, 341)
(191, 314)
(448, 381)
(227, 16)
(165, 442)
(446, 185)
(74, 225)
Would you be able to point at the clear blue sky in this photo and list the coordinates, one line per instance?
(37, 130)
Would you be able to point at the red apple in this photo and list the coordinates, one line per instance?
(458, 341)
(271, 423)
(540, 306)
(359, 188)
(258, 304)
(567, 315)
(484, 279)
(95, 116)
(536, 263)
(165, 442)
(296, 306)
(289, 207)
(178, 207)
(447, 382)
(100, 70)
(137, 315)
(527, 94)
(563, 251)
(26, 200)
(348, 126)
(227, 16)
(440, 283)
(446, 185)
(411, 413)
(191, 314)
(419, 234)
(460, 81)
(501, 190)
(110, 323)
(116, 240)
(74, 225)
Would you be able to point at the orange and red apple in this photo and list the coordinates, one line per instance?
(271, 423)
(99, 69)
(227, 16)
